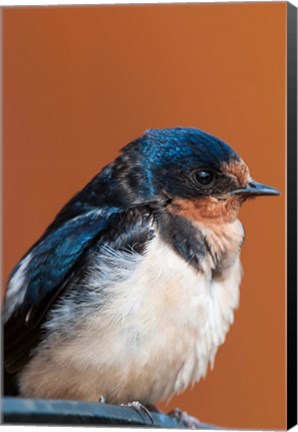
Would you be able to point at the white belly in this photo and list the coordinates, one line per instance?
(155, 335)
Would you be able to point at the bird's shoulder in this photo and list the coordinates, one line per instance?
(58, 258)
(58, 254)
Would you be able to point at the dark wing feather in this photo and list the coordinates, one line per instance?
(58, 258)
(51, 261)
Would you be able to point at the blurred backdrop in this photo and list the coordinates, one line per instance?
(81, 82)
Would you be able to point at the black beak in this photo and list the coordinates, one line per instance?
(254, 188)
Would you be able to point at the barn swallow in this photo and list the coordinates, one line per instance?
(132, 288)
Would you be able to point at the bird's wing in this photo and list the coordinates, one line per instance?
(50, 266)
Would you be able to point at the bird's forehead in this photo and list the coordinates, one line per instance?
(237, 169)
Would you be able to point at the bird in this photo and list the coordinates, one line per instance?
(132, 288)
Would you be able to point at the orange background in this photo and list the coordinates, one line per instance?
(81, 82)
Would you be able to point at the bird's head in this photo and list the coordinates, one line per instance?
(196, 173)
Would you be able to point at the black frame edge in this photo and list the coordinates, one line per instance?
(291, 215)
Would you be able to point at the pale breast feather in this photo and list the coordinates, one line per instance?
(158, 329)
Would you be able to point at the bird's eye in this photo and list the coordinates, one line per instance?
(204, 177)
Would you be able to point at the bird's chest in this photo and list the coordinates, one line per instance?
(166, 320)
(158, 328)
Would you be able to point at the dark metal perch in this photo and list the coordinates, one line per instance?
(58, 412)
